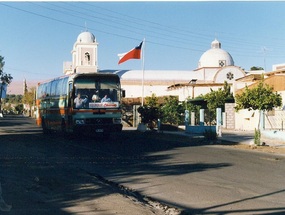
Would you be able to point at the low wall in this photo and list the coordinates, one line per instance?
(274, 135)
(199, 129)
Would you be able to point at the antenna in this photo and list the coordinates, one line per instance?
(86, 26)
(264, 50)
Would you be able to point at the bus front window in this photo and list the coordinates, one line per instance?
(98, 93)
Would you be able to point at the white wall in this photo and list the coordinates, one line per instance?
(246, 120)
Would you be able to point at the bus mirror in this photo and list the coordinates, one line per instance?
(123, 93)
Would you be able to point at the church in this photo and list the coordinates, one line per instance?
(215, 66)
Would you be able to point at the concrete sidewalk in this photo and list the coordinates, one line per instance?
(235, 136)
(247, 137)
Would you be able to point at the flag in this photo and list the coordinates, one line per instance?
(135, 53)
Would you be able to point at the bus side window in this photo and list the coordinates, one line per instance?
(70, 98)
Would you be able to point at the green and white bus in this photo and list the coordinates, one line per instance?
(56, 103)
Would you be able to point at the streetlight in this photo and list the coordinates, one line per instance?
(193, 83)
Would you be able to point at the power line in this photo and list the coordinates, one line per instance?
(155, 32)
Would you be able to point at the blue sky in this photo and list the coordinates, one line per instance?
(37, 37)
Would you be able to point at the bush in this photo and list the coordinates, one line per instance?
(257, 136)
(149, 115)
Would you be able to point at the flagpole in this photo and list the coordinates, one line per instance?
(143, 50)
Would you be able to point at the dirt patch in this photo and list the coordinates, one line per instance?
(266, 148)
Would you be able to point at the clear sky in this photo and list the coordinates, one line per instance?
(37, 37)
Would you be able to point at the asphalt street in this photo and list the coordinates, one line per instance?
(133, 173)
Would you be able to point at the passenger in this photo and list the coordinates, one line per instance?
(95, 98)
(106, 99)
(79, 102)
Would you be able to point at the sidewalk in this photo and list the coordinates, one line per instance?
(235, 136)
(247, 138)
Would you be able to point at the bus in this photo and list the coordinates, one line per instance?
(57, 110)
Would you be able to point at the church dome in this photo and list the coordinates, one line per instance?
(86, 37)
(215, 57)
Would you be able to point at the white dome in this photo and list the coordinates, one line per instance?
(216, 57)
(86, 37)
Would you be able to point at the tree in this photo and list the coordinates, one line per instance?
(172, 110)
(28, 98)
(256, 68)
(13, 103)
(217, 99)
(150, 112)
(5, 78)
(260, 98)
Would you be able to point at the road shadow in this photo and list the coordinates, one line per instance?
(48, 174)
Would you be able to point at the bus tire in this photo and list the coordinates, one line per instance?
(63, 129)
(44, 127)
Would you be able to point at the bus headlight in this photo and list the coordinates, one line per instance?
(79, 122)
(117, 120)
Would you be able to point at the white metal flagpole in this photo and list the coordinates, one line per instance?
(143, 51)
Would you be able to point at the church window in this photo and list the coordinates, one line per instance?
(230, 75)
(222, 63)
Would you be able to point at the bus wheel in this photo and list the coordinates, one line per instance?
(63, 128)
(44, 126)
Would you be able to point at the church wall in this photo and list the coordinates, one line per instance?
(188, 91)
(209, 76)
(229, 74)
(206, 74)
(133, 91)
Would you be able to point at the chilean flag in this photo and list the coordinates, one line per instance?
(133, 54)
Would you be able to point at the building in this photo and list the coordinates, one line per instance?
(215, 66)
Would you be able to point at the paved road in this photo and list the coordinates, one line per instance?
(89, 176)
(44, 175)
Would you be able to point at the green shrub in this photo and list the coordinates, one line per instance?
(257, 136)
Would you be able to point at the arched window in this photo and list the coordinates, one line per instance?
(87, 58)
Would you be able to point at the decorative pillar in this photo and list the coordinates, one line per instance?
(219, 122)
(224, 120)
(262, 120)
(202, 117)
(192, 118)
(186, 117)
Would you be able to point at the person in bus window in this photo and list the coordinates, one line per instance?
(106, 99)
(95, 98)
(79, 102)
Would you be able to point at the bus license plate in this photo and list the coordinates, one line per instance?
(99, 130)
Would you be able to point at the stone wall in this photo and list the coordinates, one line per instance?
(230, 116)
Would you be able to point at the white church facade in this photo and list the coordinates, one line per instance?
(215, 66)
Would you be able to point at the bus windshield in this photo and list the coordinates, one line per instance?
(96, 92)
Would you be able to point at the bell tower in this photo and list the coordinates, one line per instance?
(84, 54)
